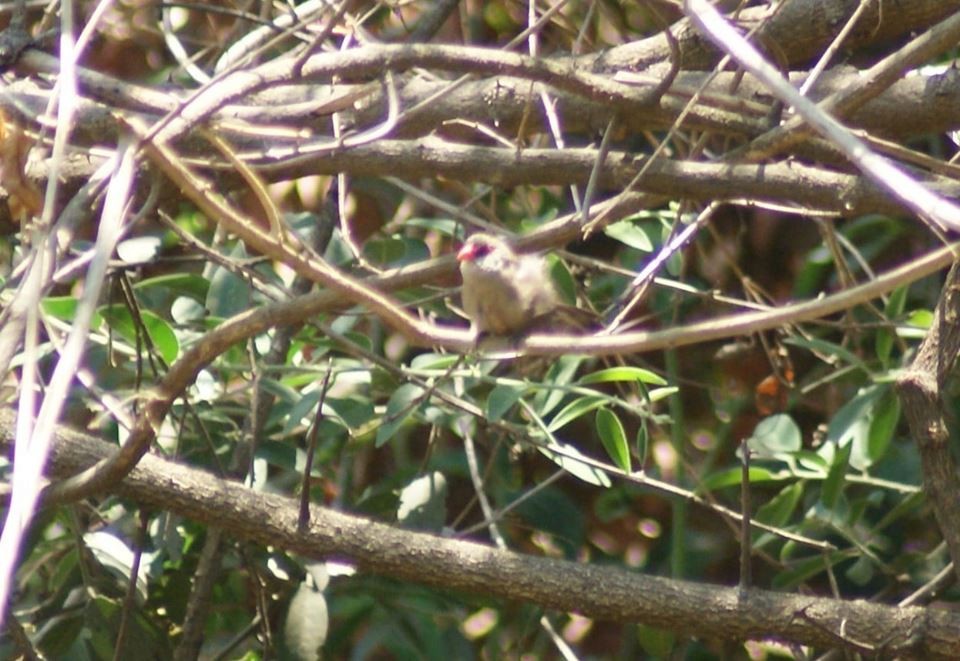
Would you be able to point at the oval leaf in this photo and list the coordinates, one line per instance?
(775, 435)
(403, 402)
(629, 234)
(501, 399)
(614, 438)
(624, 373)
(568, 461)
(575, 409)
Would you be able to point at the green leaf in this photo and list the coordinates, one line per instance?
(64, 635)
(114, 555)
(885, 336)
(184, 284)
(501, 399)
(561, 373)
(842, 354)
(347, 413)
(812, 461)
(281, 455)
(629, 234)
(657, 643)
(102, 614)
(812, 272)
(228, 294)
(873, 234)
(623, 373)
(861, 572)
(568, 461)
(401, 405)
(614, 438)
(777, 511)
(643, 441)
(563, 279)
(446, 226)
(833, 484)
(554, 512)
(852, 425)
(395, 252)
(64, 308)
(433, 361)
(354, 412)
(774, 436)
(300, 410)
(658, 394)
(575, 409)
(731, 477)
(160, 333)
(281, 391)
(885, 418)
(804, 569)
(362, 340)
(919, 319)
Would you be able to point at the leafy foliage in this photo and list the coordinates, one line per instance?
(579, 456)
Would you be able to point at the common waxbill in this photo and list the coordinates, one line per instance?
(504, 293)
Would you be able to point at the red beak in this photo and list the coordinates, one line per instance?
(467, 253)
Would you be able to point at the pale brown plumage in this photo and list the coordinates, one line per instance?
(505, 293)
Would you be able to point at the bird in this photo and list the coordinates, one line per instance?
(510, 294)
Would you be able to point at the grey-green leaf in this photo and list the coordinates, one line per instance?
(614, 438)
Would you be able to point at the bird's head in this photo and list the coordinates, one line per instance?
(479, 246)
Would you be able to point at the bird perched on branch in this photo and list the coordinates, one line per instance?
(505, 293)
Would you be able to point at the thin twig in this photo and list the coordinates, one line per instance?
(304, 519)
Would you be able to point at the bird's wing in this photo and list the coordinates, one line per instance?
(535, 289)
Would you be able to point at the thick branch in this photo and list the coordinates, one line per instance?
(597, 592)
(807, 187)
(820, 20)
(741, 109)
(921, 388)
